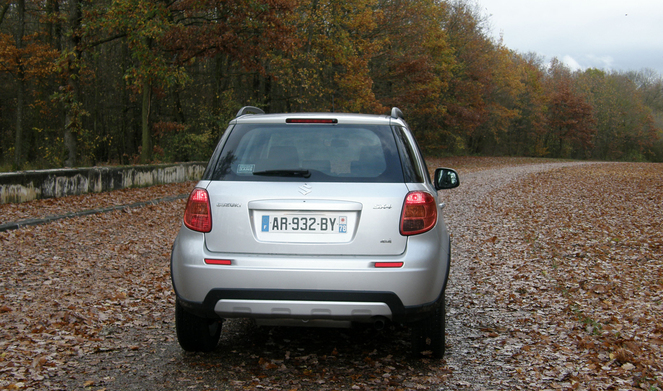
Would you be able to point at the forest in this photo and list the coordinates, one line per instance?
(106, 82)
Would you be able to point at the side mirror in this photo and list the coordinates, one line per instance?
(446, 178)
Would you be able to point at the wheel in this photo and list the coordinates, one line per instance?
(196, 334)
(428, 334)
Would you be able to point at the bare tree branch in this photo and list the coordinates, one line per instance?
(4, 11)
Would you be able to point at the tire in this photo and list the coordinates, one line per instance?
(428, 334)
(196, 334)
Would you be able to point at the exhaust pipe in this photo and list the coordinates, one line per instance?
(379, 323)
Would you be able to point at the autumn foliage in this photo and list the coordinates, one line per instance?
(85, 83)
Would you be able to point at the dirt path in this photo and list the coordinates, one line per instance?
(475, 325)
(557, 278)
(86, 303)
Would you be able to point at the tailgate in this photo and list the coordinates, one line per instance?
(306, 219)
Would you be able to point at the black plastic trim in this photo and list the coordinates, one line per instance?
(400, 313)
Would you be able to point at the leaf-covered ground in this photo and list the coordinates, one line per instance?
(556, 284)
(61, 206)
(576, 256)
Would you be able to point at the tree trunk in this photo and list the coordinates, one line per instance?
(20, 93)
(146, 149)
(20, 98)
(73, 117)
(4, 10)
(53, 28)
(128, 146)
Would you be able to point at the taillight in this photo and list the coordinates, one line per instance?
(419, 213)
(197, 215)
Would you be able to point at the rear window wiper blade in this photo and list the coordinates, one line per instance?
(285, 173)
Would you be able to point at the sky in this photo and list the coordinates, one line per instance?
(614, 35)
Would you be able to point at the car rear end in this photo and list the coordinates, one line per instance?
(313, 219)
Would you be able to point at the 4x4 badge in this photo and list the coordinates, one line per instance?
(305, 189)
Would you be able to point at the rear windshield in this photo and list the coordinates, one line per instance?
(305, 152)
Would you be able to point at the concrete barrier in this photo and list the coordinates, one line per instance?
(25, 186)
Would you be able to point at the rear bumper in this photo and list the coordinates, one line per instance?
(310, 287)
(299, 304)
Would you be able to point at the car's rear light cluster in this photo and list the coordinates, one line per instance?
(419, 213)
(198, 215)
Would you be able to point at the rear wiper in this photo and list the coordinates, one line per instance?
(293, 173)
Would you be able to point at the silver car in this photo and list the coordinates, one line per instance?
(314, 219)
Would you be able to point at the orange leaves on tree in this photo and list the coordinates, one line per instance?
(242, 29)
(34, 61)
(413, 69)
(571, 120)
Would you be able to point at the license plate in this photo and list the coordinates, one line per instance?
(331, 224)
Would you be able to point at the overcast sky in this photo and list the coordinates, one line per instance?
(619, 35)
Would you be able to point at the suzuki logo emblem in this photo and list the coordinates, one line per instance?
(305, 189)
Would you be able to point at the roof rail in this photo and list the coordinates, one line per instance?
(397, 113)
(249, 110)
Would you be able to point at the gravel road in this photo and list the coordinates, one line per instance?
(140, 352)
(476, 356)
